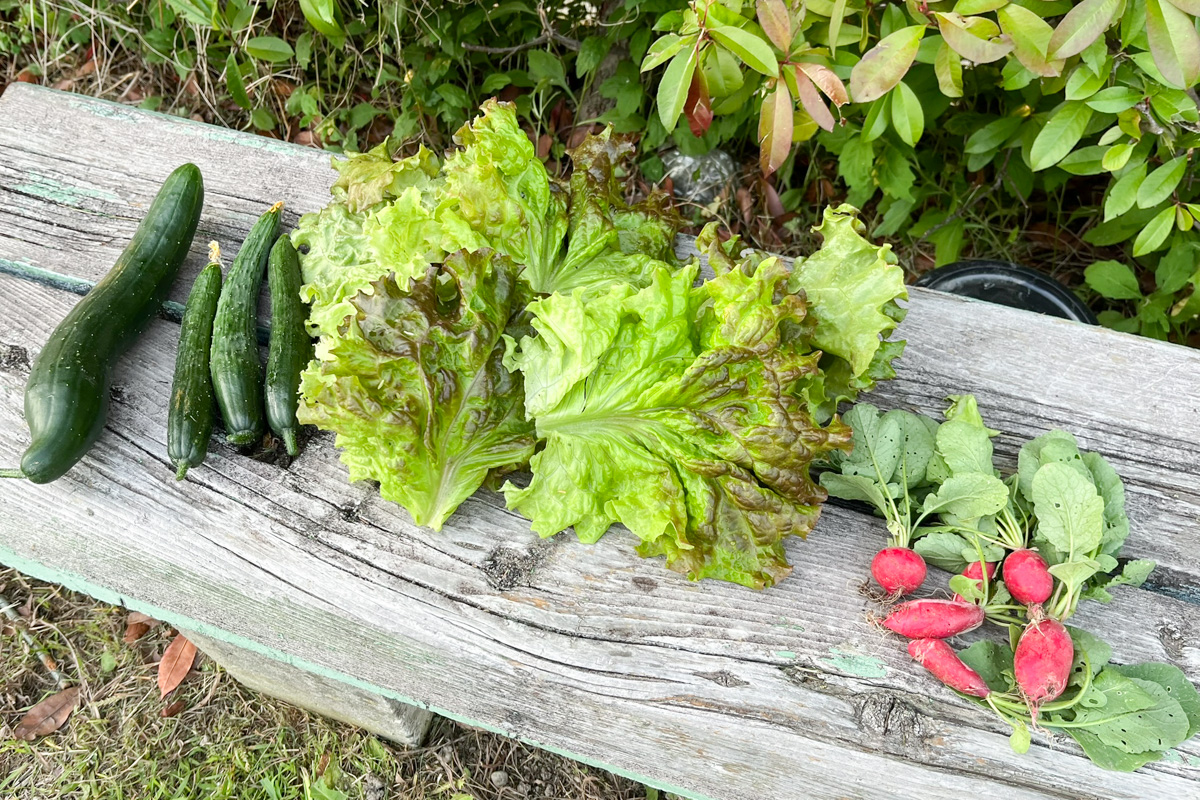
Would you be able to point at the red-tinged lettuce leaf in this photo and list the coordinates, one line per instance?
(670, 410)
(852, 289)
(608, 240)
(415, 389)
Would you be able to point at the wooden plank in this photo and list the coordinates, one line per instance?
(707, 688)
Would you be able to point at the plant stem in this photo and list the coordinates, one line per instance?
(11, 473)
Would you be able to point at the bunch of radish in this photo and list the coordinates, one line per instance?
(1025, 550)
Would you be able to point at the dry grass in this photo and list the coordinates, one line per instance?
(226, 741)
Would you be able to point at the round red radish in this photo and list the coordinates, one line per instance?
(933, 619)
(940, 659)
(975, 572)
(1042, 661)
(1027, 578)
(898, 570)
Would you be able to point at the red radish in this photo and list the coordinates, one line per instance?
(933, 619)
(974, 572)
(1042, 661)
(898, 570)
(940, 659)
(1027, 578)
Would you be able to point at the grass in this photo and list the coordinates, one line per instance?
(226, 741)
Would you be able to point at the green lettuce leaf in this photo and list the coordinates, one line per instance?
(608, 240)
(415, 389)
(670, 410)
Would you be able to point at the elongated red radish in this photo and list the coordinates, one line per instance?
(941, 660)
(898, 570)
(933, 619)
(1027, 577)
(975, 572)
(1042, 661)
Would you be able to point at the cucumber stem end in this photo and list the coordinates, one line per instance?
(11, 473)
(289, 442)
(181, 471)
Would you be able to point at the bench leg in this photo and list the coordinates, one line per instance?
(383, 716)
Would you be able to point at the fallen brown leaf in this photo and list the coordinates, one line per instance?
(26, 76)
(175, 665)
(172, 709)
(136, 626)
(48, 716)
(774, 204)
(544, 143)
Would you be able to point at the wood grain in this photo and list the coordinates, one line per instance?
(705, 688)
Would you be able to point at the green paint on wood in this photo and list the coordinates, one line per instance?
(44, 277)
(784, 654)
(853, 663)
(78, 583)
(1172, 757)
(64, 194)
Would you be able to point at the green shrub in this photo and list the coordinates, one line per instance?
(913, 97)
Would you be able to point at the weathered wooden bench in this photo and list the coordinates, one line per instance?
(319, 591)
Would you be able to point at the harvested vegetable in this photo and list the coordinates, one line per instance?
(1060, 519)
(898, 570)
(190, 418)
(690, 413)
(1027, 577)
(290, 346)
(941, 660)
(67, 394)
(415, 387)
(1042, 662)
(235, 366)
(933, 619)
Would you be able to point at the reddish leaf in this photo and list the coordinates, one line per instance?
(745, 204)
(774, 204)
(775, 129)
(776, 22)
(544, 144)
(698, 107)
(26, 76)
(48, 716)
(827, 82)
(136, 626)
(812, 102)
(173, 709)
(176, 664)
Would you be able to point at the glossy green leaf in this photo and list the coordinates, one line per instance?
(878, 116)
(882, 67)
(993, 135)
(1176, 267)
(269, 48)
(1160, 183)
(1174, 43)
(1154, 235)
(962, 40)
(1083, 83)
(233, 81)
(1084, 161)
(837, 14)
(196, 12)
(1084, 24)
(546, 67)
(1060, 135)
(751, 49)
(1117, 156)
(325, 17)
(948, 67)
(263, 119)
(908, 118)
(1030, 36)
(591, 52)
(663, 48)
(1113, 280)
(1114, 99)
(673, 88)
(723, 71)
(967, 7)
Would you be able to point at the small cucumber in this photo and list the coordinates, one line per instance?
(290, 348)
(66, 397)
(236, 369)
(190, 418)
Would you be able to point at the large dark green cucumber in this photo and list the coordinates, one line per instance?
(66, 398)
(236, 369)
(190, 417)
(290, 347)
